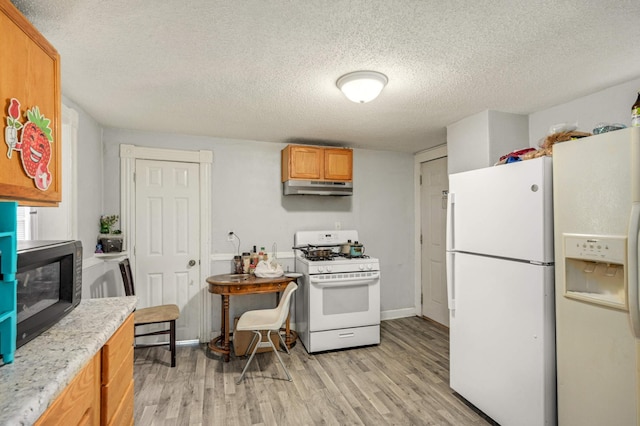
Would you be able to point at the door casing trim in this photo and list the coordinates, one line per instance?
(419, 158)
(128, 156)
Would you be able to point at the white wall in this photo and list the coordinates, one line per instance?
(467, 143)
(481, 139)
(611, 105)
(507, 132)
(247, 199)
(99, 279)
(89, 182)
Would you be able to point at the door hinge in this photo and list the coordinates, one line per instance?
(420, 180)
(421, 298)
(420, 239)
(134, 177)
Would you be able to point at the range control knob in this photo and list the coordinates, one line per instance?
(361, 266)
(328, 268)
(369, 266)
(320, 269)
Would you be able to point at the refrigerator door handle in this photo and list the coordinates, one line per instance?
(451, 300)
(632, 265)
(451, 201)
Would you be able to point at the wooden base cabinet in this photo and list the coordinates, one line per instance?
(79, 403)
(117, 377)
(306, 162)
(102, 392)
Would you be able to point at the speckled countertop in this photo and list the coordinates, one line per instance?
(43, 367)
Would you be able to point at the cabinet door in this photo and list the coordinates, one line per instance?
(338, 164)
(30, 73)
(79, 403)
(305, 162)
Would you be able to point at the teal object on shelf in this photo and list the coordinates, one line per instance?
(8, 289)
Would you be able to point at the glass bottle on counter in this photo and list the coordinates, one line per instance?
(254, 261)
(237, 265)
(246, 262)
(635, 112)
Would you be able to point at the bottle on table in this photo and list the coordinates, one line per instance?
(635, 112)
(246, 262)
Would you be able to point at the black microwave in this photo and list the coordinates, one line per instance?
(49, 285)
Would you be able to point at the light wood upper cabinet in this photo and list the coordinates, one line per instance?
(30, 73)
(317, 163)
(338, 164)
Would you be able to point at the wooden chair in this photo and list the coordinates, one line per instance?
(269, 321)
(153, 315)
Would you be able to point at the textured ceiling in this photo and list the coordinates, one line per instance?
(266, 69)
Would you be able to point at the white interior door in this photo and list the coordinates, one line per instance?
(167, 240)
(433, 208)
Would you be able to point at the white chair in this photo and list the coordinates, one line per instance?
(269, 320)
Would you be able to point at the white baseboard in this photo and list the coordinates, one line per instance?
(398, 313)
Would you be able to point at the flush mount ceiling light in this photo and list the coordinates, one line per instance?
(362, 86)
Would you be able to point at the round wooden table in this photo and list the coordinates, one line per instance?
(238, 284)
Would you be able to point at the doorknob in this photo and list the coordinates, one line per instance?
(445, 193)
(192, 262)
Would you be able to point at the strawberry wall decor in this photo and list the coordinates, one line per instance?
(34, 144)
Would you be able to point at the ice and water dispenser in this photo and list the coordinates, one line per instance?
(596, 269)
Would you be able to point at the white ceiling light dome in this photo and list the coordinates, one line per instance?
(362, 86)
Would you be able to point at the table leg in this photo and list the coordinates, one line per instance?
(287, 339)
(225, 318)
(220, 344)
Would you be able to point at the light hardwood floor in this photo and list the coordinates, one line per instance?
(402, 381)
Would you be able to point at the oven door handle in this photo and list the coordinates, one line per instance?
(337, 282)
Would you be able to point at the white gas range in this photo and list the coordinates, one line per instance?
(338, 299)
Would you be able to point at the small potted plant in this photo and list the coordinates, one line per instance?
(110, 240)
(106, 222)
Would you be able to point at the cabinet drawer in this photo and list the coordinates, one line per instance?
(124, 413)
(114, 391)
(116, 350)
(79, 403)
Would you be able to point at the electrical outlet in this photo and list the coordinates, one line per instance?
(230, 236)
(338, 226)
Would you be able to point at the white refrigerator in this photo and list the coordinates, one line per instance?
(597, 221)
(500, 283)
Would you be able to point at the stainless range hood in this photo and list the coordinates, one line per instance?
(315, 187)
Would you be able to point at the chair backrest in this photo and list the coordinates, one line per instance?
(285, 300)
(127, 277)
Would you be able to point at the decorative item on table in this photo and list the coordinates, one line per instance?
(110, 243)
(109, 239)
